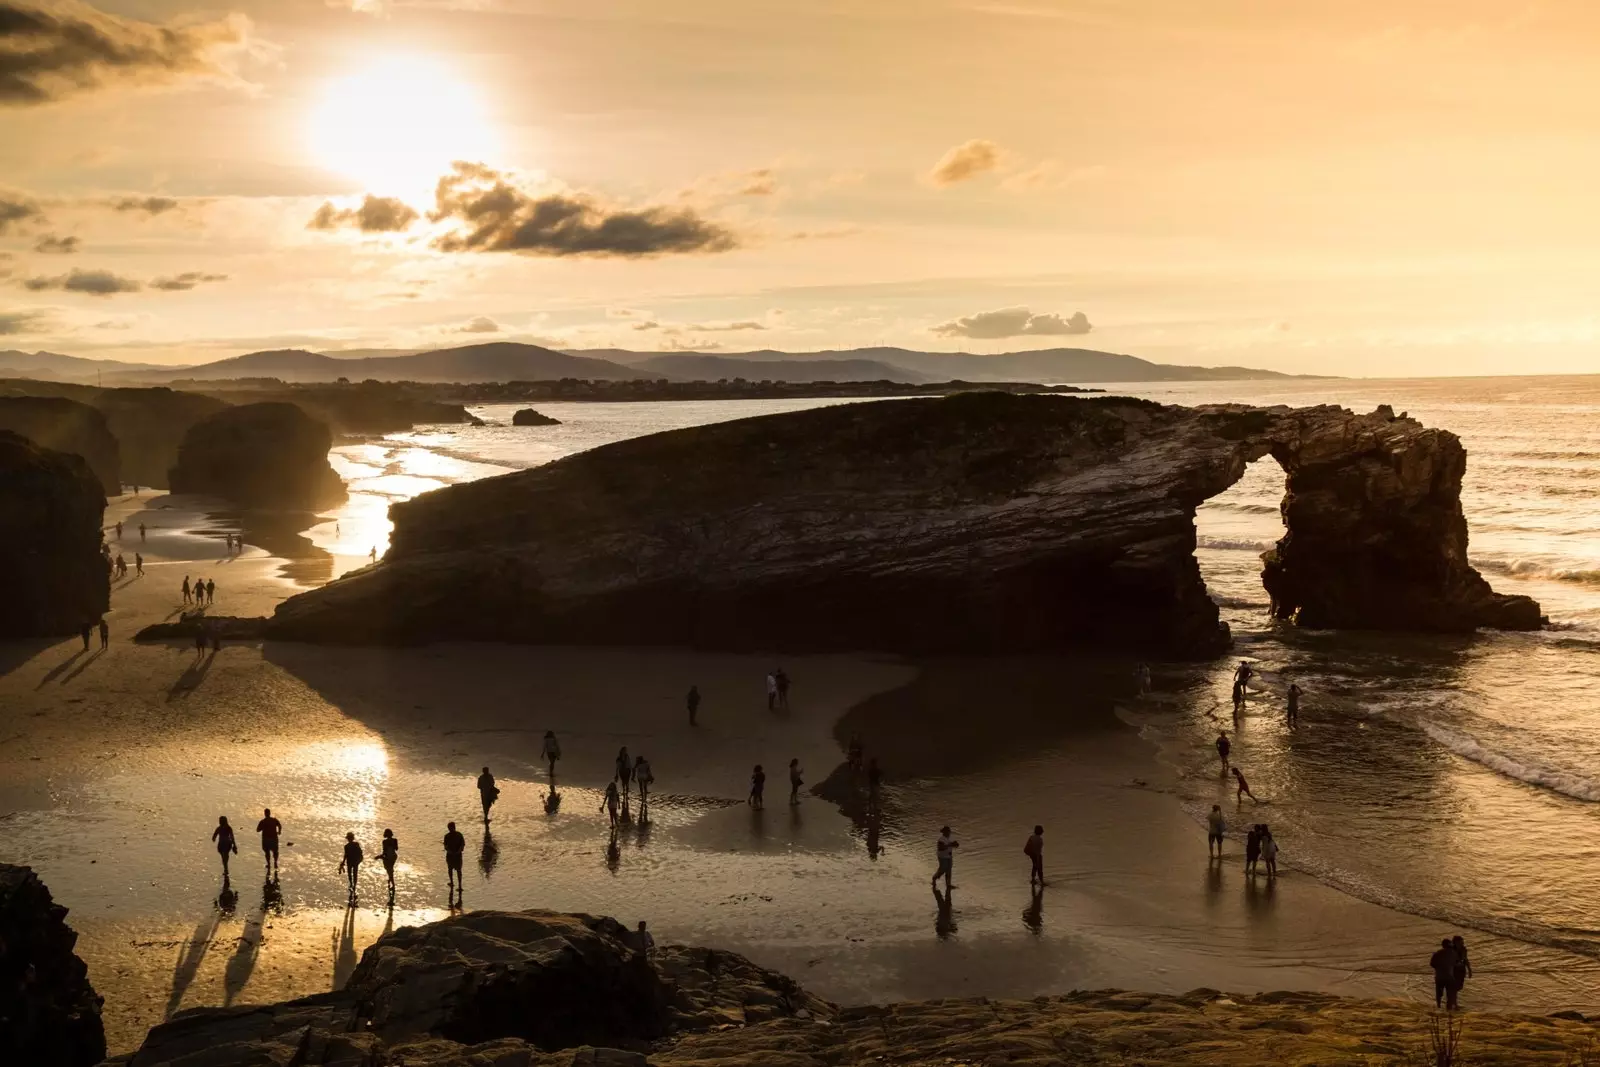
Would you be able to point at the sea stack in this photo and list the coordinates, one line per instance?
(976, 523)
(55, 580)
(66, 426)
(271, 456)
(530, 417)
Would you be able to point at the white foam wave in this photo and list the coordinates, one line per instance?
(1529, 568)
(1232, 544)
(1572, 785)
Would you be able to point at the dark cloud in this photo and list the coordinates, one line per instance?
(93, 282)
(1014, 322)
(18, 322)
(496, 216)
(965, 161)
(149, 205)
(182, 283)
(53, 49)
(377, 214)
(16, 208)
(481, 324)
(50, 244)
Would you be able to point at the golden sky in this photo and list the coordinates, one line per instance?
(1365, 187)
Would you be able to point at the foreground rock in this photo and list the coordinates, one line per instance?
(270, 455)
(540, 989)
(49, 1013)
(975, 522)
(54, 579)
(530, 417)
(66, 426)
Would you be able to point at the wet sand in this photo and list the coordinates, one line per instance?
(114, 766)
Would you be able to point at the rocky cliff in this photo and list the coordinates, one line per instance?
(270, 455)
(54, 579)
(150, 425)
(540, 989)
(975, 522)
(66, 426)
(49, 1013)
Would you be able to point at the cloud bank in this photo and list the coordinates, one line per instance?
(106, 283)
(50, 244)
(377, 214)
(1014, 322)
(16, 209)
(18, 322)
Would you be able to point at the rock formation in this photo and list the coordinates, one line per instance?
(539, 989)
(270, 455)
(975, 522)
(150, 425)
(54, 579)
(66, 426)
(530, 417)
(49, 1013)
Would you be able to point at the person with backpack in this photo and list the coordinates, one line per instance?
(488, 792)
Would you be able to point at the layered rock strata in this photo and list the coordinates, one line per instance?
(66, 426)
(49, 1013)
(971, 523)
(54, 580)
(270, 455)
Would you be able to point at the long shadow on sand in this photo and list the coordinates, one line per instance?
(61, 668)
(190, 679)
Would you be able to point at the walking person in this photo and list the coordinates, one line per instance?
(141, 533)
(1269, 852)
(1241, 681)
(269, 828)
(551, 750)
(1141, 678)
(119, 530)
(1216, 828)
(211, 591)
(223, 836)
(351, 862)
(795, 782)
(624, 769)
(644, 777)
(611, 802)
(758, 788)
(1034, 850)
(772, 690)
(186, 597)
(1461, 972)
(455, 846)
(1443, 962)
(138, 564)
(488, 792)
(852, 756)
(945, 848)
(390, 853)
(87, 627)
(105, 635)
(1293, 706)
(1244, 787)
(693, 702)
(1252, 849)
(1224, 746)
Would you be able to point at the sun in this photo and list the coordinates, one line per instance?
(398, 123)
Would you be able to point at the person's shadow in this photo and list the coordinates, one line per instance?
(874, 831)
(80, 668)
(944, 923)
(243, 961)
(190, 679)
(56, 671)
(1213, 879)
(488, 854)
(1033, 914)
(344, 959)
(189, 959)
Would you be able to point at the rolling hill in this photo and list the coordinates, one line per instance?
(696, 367)
(497, 361)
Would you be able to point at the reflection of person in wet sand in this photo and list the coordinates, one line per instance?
(693, 702)
(552, 800)
(944, 924)
(488, 854)
(223, 836)
(1033, 914)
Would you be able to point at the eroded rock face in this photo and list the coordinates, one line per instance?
(51, 503)
(270, 455)
(66, 426)
(150, 425)
(979, 522)
(49, 1013)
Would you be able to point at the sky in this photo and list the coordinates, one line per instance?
(1369, 187)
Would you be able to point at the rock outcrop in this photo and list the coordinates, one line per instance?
(54, 579)
(49, 1013)
(150, 425)
(270, 455)
(66, 426)
(530, 417)
(975, 522)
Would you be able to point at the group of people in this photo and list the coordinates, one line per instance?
(777, 690)
(234, 542)
(203, 592)
(118, 566)
(1259, 845)
(1451, 969)
(88, 629)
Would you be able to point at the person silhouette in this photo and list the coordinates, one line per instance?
(390, 853)
(758, 788)
(796, 780)
(609, 803)
(455, 846)
(270, 829)
(223, 836)
(624, 768)
(693, 702)
(551, 750)
(488, 792)
(351, 862)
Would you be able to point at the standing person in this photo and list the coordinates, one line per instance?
(624, 769)
(269, 828)
(945, 848)
(693, 701)
(211, 591)
(122, 566)
(1294, 705)
(1034, 850)
(85, 634)
(647, 944)
(390, 853)
(795, 782)
(1443, 962)
(610, 802)
(1223, 748)
(644, 777)
(119, 529)
(1252, 849)
(1244, 787)
(852, 755)
(1269, 852)
(1461, 972)
(488, 792)
(1141, 678)
(1241, 680)
(772, 690)
(455, 845)
(780, 678)
(186, 589)
(223, 836)
(551, 749)
(105, 634)
(373, 555)
(758, 787)
(138, 564)
(351, 862)
(1215, 829)
(141, 533)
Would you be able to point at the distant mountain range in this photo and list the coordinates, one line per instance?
(504, 361)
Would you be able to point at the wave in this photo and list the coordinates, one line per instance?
(1232, 544)
(1527, 568)
(1563, 782)
(1239, 602)
(1553, 455)
(1250, 509)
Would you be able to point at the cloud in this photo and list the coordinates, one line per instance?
(149, 205)
(92, 282)
(16, 208)
(493, 215)
(54, 49)
(627, 313)
(1014, 322)
(481, 324)
(727, 327)
(50, 244)
(182, 283)
(651, 324)
(377, 214)
(965, 161)
(763, 182)
(20, 322)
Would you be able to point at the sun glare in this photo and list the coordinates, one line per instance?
(397, 124)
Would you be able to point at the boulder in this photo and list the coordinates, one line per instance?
(54, 579)
(977, 522)
(530, 417)
(66, 426)
(49, 1013)
(270, 455)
